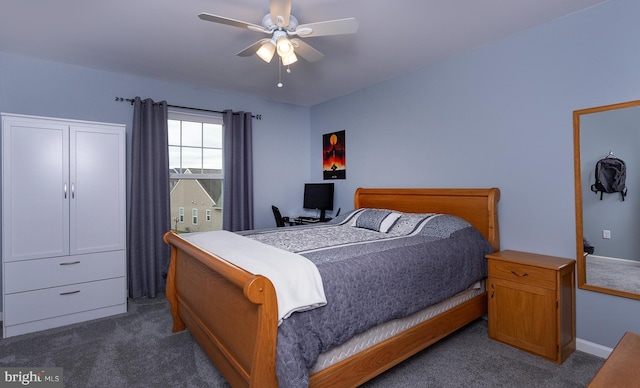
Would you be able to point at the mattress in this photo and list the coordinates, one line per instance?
(382, 332)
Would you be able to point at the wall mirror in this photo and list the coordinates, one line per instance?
(608, 228)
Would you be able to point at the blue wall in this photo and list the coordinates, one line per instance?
(500, 115)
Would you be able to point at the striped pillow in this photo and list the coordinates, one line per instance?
(378, 220)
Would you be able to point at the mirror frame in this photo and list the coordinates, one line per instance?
(580, 257)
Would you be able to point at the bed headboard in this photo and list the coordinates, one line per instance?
(478, 206)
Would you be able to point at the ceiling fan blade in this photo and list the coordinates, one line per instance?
(280, 8)
(231, 22)
(249, 51)
(330, 27)
(305, 51)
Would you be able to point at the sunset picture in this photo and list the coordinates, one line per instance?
(334, 162)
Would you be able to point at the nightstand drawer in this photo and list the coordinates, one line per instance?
(524, 274)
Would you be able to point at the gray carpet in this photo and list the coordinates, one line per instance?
(137, 349)
(619, 275)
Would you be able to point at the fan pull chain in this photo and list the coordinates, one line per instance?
(280, 72)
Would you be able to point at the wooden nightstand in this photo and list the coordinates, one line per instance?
(532, 303)
(622, 367)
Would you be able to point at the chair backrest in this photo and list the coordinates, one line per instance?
(278, 216)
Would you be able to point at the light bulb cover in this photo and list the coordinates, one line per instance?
(266, 51)
(284, 46)
(289, 59)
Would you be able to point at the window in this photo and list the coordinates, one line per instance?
(195, 170)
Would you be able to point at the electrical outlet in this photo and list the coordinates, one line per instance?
(606, 234)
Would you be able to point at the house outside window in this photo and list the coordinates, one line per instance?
(195, 170)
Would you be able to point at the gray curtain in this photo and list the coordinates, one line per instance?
(237, 205)
(150, 207)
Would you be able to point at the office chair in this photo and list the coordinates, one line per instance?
(278, 216)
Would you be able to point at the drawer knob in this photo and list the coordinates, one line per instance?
(520, 275)
(70, 263)
(70, 292)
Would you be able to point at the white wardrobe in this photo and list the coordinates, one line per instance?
(63, 222)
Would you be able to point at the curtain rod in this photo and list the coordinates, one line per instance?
(131, 100)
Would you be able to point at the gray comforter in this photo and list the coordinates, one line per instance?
(371, 277)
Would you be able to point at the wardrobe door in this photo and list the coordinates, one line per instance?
(97, 161)
(35, 189)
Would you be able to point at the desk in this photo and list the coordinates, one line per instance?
(292, 221)
(622, 367)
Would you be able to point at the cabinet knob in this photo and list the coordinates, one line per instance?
(520, 275)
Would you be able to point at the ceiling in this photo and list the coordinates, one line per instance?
(166, 39)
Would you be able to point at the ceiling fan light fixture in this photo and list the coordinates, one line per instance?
(280, 24)
(292, 58)
(284, 46)
(266, 51)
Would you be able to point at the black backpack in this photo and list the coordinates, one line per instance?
(611, 174)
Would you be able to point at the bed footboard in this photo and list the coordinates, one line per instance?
(232, 313)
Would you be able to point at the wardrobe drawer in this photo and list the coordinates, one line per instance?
(522, 273)
(36, 274)
(51, 302)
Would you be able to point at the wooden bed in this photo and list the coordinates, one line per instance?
(236, 323)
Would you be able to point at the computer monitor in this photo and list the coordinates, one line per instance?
(318, 196)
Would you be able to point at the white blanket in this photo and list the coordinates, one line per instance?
(296, 279)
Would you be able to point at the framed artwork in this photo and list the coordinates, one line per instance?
(334, 161)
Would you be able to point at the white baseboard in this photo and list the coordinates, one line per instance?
(593, 348)
(632, 263)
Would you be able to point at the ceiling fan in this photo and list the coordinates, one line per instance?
(283, 29)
